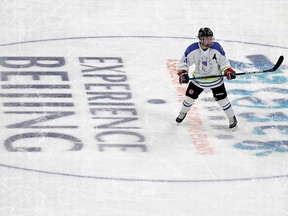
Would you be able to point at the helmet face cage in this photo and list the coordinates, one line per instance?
(205, 32)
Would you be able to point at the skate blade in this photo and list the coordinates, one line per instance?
(233, 129)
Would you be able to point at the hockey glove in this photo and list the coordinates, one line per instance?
(230, 73)
(183, 76)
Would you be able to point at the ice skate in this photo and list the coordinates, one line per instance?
(181, 117)
(233, 123)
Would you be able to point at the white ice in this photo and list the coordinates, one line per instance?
(163, 169)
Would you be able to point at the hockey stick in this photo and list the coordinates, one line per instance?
(276, 66)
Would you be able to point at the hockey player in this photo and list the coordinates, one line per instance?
(209, 59)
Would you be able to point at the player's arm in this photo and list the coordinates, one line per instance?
(182, 70)
(225, 67)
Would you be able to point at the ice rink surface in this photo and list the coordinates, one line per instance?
(89, 96)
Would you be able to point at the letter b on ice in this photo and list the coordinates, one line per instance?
(27, 62)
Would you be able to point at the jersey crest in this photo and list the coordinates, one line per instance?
(205, 66)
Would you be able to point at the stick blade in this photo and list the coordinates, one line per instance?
(277, 65)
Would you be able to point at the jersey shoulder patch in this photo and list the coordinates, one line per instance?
(218, 47)
(191, 48)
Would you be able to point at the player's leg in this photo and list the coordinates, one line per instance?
(220, 96)
(191, 95)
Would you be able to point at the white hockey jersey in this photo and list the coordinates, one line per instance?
(207, 63)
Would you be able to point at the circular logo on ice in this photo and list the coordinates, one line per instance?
(107, 109)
